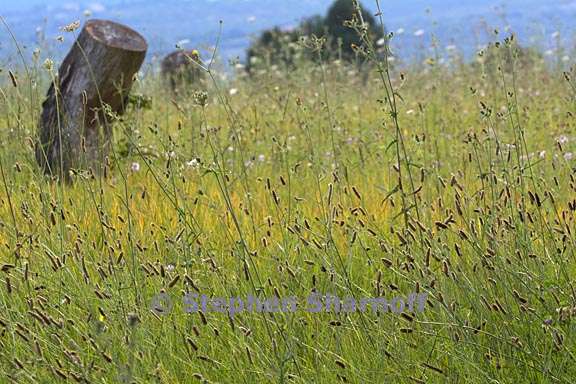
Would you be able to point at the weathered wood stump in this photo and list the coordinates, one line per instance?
(182, 70)
(93, 80)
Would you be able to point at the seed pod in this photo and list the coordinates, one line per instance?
(13, 79)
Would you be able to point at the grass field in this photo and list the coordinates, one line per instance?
(453, 180)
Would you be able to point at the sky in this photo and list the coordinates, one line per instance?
(195, 23)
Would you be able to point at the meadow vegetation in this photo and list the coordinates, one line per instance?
(445, 177)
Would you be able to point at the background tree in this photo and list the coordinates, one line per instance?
(278, 47)
(344, 37)
(314, 25)
(273, 47)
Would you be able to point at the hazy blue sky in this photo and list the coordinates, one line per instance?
(196, 22)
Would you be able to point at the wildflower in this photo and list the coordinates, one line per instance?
(381, 42)
(568, 156)
(200, 98)
(562, 139)
(71, 27)
(48, 64)
(233, 91)
(135, 167)
(261, 158)
(170, 267)
(181, 43)
(542, 154)
(194, 163)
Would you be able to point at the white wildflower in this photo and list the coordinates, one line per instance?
(48, 64)
(233, 91)
(194, 163)
(568, 156)
(71, 27)
(181, 43)
(135, 167)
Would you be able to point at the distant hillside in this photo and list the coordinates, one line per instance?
(196, 22)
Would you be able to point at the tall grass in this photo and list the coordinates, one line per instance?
(455, 180)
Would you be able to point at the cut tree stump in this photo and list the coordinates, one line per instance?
(183, 70)
(93, 83)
